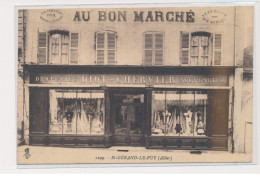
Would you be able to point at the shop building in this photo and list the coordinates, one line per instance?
(167, 78)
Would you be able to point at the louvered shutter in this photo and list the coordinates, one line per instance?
(148, 49)
(74, 48)
(217, 49)
(111, 48)
(158, 54)
(100, 48)
(185, 48)
(42, 47)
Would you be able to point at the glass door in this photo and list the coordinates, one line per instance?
(128, 120)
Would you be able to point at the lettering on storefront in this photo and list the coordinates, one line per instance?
(148, 80)
(139, 16)
(51, 15)
(214, 16)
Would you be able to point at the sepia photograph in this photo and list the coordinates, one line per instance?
(135, 85)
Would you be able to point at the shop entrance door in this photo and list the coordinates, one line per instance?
(128, 120)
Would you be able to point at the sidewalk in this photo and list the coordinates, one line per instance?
(124, 154)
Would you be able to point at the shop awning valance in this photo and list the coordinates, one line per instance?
(73, 95)
(177, 97)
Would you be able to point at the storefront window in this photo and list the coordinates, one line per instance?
(76, 112)
(179, 113)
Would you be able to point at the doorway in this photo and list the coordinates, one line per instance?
(128, 119)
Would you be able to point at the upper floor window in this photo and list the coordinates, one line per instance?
(201, 49)
(153, 48)
(58, 47)
(105, 47)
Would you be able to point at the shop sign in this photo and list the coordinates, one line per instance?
(51, 15)
(139, 16)
(214, 16)
(148, 80)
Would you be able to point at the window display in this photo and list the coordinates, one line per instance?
(179, 113)
(76, 112)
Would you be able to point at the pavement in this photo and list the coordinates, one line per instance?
(121, 155)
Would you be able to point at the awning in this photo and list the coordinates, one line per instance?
(74, 95)
(183, 97)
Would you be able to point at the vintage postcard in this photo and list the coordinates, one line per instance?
(135, 85)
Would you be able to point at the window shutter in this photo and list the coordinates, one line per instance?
(185, 39)
(74, 48)
(217, 49)
(42, 47)
(111, 48)
(100, 48)
(148, 49)
(158, 59)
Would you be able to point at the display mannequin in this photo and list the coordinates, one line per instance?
(188, 117)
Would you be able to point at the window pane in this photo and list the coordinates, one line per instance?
(83, 123)
(200, 115)
(172, 115)
(194, 51)
(55, 49)
(158, 113)
(77, 112)
(205, 61)
(121, 119)
(135, 119)
(91, 119)
(205, 50)
(97, 124)
(194, 60)
(56, 111)
(195, 41)
(204, 41)
(70, 113)
(186, 120)
(179, 113)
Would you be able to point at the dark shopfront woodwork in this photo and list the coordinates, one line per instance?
(38, 113)
(128, 123)
(217, 116)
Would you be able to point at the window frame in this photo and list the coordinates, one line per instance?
(211, 46)
(105, 49)
(180, 92)
(48, 47)
(153, 49)
(76, 91)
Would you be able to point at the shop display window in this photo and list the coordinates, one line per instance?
(76, 112)
(179, 113)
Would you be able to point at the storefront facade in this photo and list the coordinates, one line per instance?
(159, 78)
